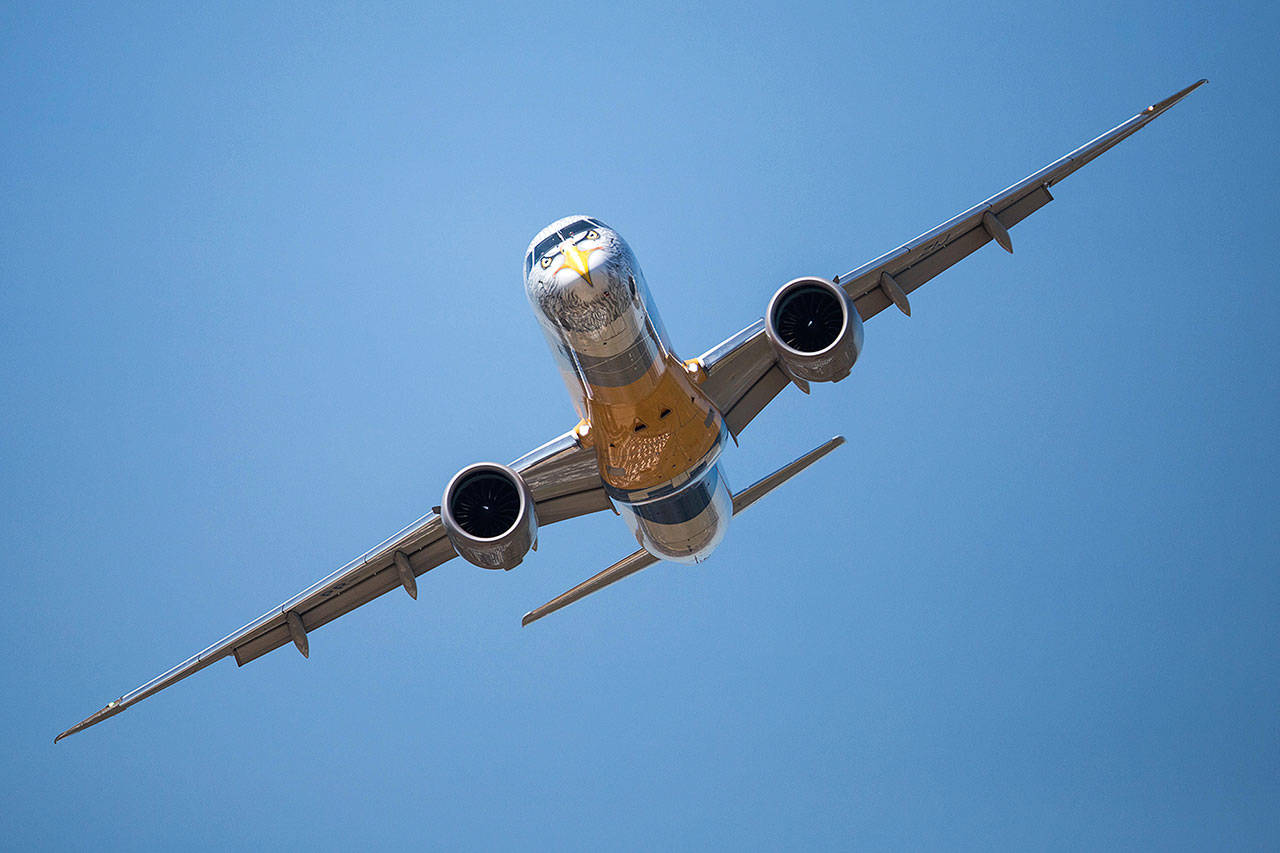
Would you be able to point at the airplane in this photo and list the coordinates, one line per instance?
(652, 426)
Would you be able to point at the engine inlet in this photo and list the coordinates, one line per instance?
(815, 329)
(486, 504)
(809, 318)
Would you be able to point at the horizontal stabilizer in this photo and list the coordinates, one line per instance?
(760, 488)
(628, 565)
(642, 559)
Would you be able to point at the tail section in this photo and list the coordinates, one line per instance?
(642, 559)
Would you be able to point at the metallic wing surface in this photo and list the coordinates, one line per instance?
(562, 478)
(565, 483)
(742, 374)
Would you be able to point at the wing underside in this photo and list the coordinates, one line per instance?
(742, 375)
(565, 482)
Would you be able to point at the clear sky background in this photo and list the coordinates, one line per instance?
(260, 298)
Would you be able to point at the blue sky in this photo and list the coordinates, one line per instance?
(260, 297)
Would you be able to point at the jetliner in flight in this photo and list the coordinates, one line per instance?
(647, 445)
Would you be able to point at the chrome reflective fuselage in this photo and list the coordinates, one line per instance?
(656, 435)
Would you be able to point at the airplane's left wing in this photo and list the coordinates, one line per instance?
(564, 479)
(741, 374)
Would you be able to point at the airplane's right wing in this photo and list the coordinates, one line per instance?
(742, 375)
(564, 479)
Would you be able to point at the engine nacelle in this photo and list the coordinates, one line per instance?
(814, 329)
(488, 514)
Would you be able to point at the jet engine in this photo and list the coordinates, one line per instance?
(814, 329)
(488, 514)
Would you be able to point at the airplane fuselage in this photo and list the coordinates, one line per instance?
(656, 436)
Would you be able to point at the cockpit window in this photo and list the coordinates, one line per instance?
(554, 239)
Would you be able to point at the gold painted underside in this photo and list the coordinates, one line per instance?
(652, 430)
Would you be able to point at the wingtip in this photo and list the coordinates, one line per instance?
(96, 717)
(77, 727)
(1161, 106)
(828, 446)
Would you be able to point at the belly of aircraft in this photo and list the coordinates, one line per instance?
(657, 441)
(653, 430)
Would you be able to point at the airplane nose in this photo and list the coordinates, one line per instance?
(578, 262)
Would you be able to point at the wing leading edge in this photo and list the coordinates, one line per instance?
(741, 374)
(565, 482)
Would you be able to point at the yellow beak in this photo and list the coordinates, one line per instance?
(577, 261)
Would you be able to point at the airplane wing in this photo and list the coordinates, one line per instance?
(564, 479)
(742, 375)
